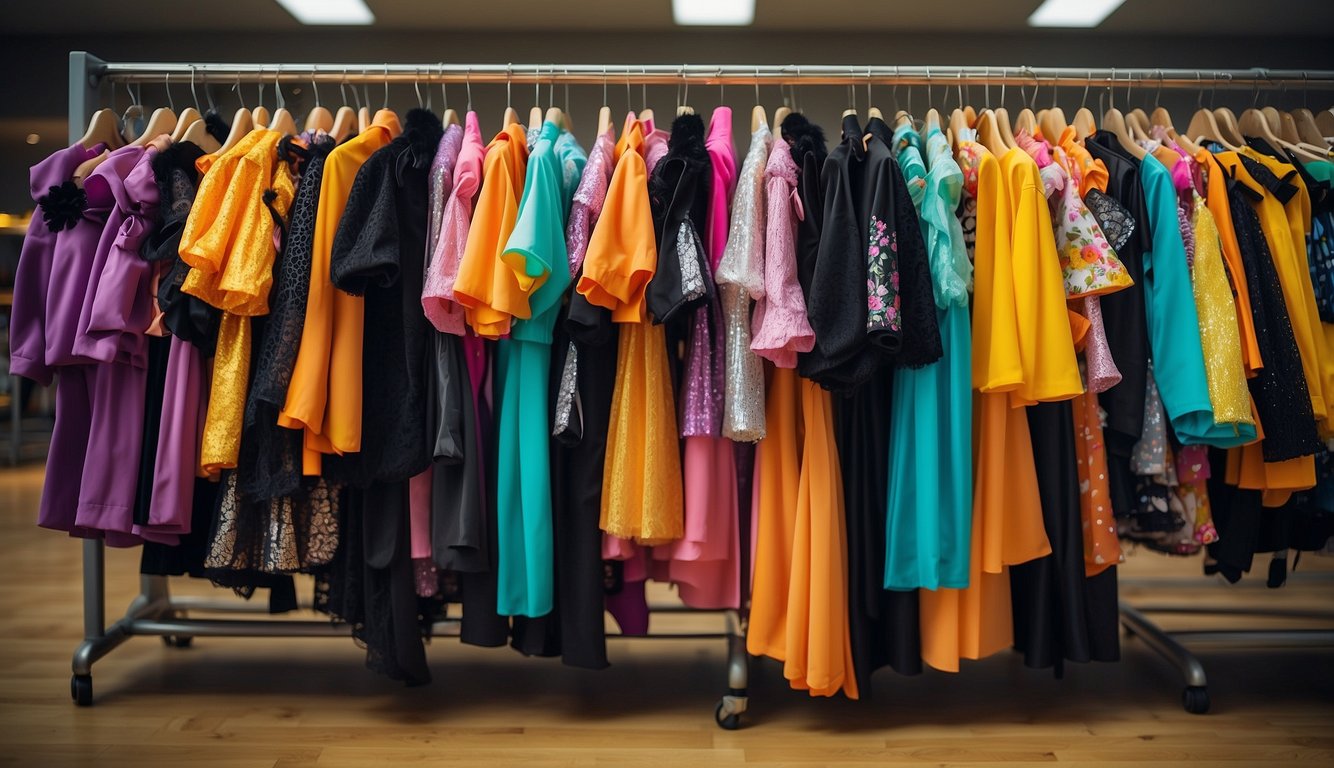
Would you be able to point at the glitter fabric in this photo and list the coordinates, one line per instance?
(1102, 548)
(740, 279)
(688, 249)
(1101, 373)
(702, 401)
(588, 200)
(1149, 456)
(220, 446)
(1228, 392)
(441, 181)
(641, 479)
(568, 424)
(456, 217)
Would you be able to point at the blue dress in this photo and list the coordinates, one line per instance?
(930, 509)
(1174, 330)
(525, 552)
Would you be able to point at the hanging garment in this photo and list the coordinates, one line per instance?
(491, 292)
(443, 265)
(536, 248)
(324, 397)
(1219, 337)
(741, 281)
(930, 511)
(705, 563)
(779, 325)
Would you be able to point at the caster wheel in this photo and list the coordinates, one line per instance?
(726, 722)
(1195, 699)
(177, 641)
(81, 690)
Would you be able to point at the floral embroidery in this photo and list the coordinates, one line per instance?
(882, 284)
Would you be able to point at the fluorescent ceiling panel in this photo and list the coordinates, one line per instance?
(716, 13)
(329, 12)
(1073, 13)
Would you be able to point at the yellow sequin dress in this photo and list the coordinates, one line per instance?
(228, 242)
(1228, 393)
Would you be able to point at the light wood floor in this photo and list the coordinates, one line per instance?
(288, 703)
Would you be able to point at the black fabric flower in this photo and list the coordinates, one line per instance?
(62, 205)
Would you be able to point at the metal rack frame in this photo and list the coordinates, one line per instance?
(155, 612)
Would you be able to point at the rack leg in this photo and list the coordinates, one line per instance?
(1195, 696)
(730, 708)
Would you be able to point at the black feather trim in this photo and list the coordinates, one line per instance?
(62, 206)
(805, 137)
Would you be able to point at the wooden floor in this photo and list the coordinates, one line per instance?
(288, 703)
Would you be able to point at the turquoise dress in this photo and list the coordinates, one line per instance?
(928, 531)
(1174, 329)
(524, 540)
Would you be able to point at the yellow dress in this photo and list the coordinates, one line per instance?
(642, 495)
(1007, 515)
(1050, 370)
(324, 396)
(228, 243)
(1221, 341)
(488, 289)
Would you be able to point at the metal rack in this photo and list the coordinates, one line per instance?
(154, 612)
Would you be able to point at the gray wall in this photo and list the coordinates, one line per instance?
(36, 71)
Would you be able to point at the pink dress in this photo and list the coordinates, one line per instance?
(779, 326)
(438, 287)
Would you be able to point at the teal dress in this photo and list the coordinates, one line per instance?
(526, 565)
(1174, 329)
(928, 531)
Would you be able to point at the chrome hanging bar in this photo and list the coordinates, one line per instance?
(714, 74)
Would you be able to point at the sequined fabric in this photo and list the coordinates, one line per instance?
(438, 287)
(1149, 456)
(1219, 337)
(441, 183)
(567, 423)
(1101, 373)
(740, 279)
(588, 199)
(641, 480)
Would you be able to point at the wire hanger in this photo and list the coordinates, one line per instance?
(282, 120)
(319, 118)
(604, 111)
(161, 123)
(1026, 120)
(785, 109)
(511, 117)
(190, 115)
(535, 114)
(644, 112)
(242, 123)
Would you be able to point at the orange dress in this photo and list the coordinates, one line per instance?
(490, 291)
(228, 243)
(777, 470)
(1007, 513)
(642, 495)
(324, 396)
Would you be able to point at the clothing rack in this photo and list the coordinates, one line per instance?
(155, 612)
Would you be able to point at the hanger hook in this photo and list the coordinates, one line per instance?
(643, 87)
(277, 89)
(1158, 96)
(385, 105)
(417, 86)
(240, 95)
(1002, 98)
(894, 91)
(166, 86)
(928, 87)
(1199, 90)
(1033, 102)
(467, 83)
(629, 106)
(259, 86)
(757, 85)
(1054, 90)
(509, 82)
(1255, 91)
(315, 89)
(444, 92)
(551, 87)
(1129, 78)
(986, 88)
(1111, 92)
(604, 86)
(1305, 89)
(868, 88)
(537, 86)
(1084, 100)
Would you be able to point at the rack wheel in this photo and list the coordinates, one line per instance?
(728, 722)
(177, 641)
(1195, 699)
(81, 690)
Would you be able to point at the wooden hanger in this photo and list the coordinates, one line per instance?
(188, 117)
(1287, 128)
(163, 120)
(364, 119)
(535, 119)
(1324, 120)
(604, 120)
(261, 116)
(86, 168)
(758, 117)
(958, 124)
(198, 135)
(103, 128)
(1085, 124)
(780, 115)
(319, 118)
(1272, 117)
(451, 117)
(1204, 125)
(344, 123)
(1026, 121)
(1227, 124)
(932, 118)
(1001, 117)
(1053, 124)
(646, 115)
(1115, 122)
(242, 124)
(1307, 129)
(1253, 124)
(989, 134)
(1138, 120)
(554, 115)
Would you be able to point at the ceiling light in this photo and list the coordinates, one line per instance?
(330, 12)
(1073, 13)
(718, 13)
